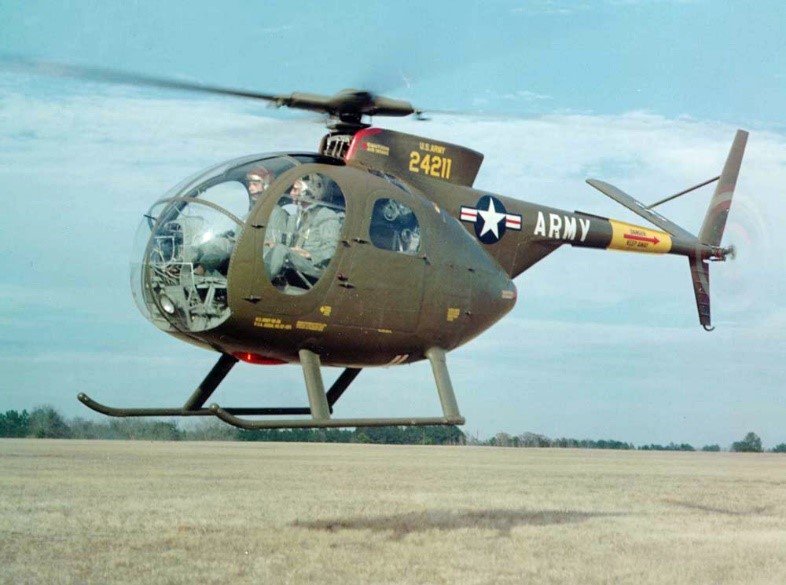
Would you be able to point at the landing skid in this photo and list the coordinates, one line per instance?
(131, 412)
(329, 423)
(320, 402)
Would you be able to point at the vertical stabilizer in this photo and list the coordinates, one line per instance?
(700, 275)
(715, 221)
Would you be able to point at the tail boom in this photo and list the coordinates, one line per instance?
(613, 234)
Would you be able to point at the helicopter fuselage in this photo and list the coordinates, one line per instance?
(402, 276)
(365, 260)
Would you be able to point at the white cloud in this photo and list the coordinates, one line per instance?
(526, 95)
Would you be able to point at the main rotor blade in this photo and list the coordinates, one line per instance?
(348, 103)
(107, 75)
(426, 114)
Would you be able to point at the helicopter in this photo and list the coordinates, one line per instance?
(374, 250)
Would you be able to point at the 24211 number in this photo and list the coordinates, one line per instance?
(432, 165)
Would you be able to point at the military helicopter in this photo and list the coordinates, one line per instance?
(375, 250)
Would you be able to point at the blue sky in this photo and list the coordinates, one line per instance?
(645, 94)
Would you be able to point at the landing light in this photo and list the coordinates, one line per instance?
(167, 304)
(255, 358)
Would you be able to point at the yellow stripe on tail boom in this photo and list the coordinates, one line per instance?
(634, 238)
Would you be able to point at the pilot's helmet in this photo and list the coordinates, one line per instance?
(258, 179)
(259, 176)
(312, 187)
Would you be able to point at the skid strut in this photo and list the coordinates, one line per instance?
(320, 402)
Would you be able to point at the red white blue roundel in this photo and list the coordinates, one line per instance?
(490, 219)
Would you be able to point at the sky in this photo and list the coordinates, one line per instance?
(644, 94)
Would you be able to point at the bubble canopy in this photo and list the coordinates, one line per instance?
(184, 243)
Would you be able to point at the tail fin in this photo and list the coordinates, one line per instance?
(711, 232)
(715, 221)
(700, 275)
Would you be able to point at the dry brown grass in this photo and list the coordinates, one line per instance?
(135, 512)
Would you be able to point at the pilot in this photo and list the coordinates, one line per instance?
(213, 256)
(257, 182)
(304, 240)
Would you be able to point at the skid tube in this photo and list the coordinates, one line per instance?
(321, 408)
(133, 412)
(329, 423)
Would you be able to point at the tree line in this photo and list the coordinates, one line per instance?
(46, 422)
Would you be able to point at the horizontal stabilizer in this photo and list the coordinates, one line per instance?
(641, 209)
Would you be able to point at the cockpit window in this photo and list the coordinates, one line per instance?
(186, 240)
(394, 227)
(303, 232)
(231, 196)
(253, 178)
(186, 246)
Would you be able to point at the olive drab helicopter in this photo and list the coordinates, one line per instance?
(376, 250)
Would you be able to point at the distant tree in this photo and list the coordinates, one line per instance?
(14, 424)
(711, 448)
(47, 423)
(670, 447)
(780, 448)
(305, 436)
(687, 447)
(445, 435)
(750, 444)
(164, 431)
(533, 440)
(611, 444)
(211, 430)
(426, 435)
(650, 447)
(143, 430)
(88, 429)
(361, 437)
(564, 442)
(501, 440)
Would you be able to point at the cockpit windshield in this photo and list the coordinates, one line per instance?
(185, 241)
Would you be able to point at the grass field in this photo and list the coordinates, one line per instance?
(142, 512)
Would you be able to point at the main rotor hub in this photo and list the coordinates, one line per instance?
(347, 107)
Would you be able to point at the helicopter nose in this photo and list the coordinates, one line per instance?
(182, 252)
